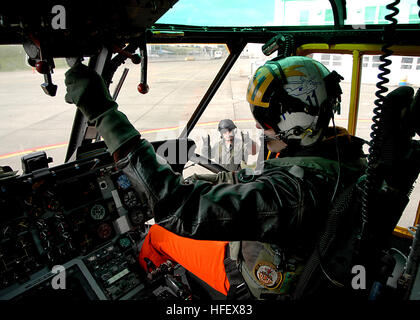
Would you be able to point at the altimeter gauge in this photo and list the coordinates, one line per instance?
(97, 212)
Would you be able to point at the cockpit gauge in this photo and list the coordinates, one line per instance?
(97, 212)
(130, 199)
(104, 231)
(123, 182)
(124, 242)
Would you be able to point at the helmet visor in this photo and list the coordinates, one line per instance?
(267, 118)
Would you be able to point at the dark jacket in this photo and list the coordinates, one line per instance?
(277, 206)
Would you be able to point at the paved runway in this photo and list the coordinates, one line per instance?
(31, 120)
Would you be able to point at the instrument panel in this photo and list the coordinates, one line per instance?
(84, 217)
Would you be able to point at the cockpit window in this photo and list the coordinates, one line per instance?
(178, 77)
(238, 13)
(30, 120)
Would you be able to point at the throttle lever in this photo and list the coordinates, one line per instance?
(48, 87)
(45, 68)
(143, 87)
(44, 65)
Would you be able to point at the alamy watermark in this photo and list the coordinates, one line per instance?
(59, 280)
(58, 21)
(359, 280)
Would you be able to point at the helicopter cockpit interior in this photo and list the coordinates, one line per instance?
(176, 69)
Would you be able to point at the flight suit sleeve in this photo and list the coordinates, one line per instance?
(258, 210)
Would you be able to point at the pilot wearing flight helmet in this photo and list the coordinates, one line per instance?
(265, 224)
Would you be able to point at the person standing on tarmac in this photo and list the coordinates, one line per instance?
(265, 225)
(230, 151)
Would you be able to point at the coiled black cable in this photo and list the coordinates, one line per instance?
(289, 45)
(372, 175)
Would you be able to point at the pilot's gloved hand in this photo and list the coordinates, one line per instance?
(87, 90)
(215, 178)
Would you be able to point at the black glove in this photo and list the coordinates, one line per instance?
(87, 90)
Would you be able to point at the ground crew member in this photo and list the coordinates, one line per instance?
(230, 151)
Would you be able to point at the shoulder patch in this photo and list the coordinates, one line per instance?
(268, 275)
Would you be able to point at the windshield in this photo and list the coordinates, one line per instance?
(178, 77)
(238, 13)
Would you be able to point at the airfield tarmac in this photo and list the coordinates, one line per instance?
(32, 121)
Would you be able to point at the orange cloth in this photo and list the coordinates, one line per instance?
(203, 258)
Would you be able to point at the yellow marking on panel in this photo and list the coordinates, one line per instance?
(292, 72)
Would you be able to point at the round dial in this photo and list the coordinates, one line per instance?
(97, 212)
(104, 231)
(123, 181)
(130, 199)
(124, 242)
